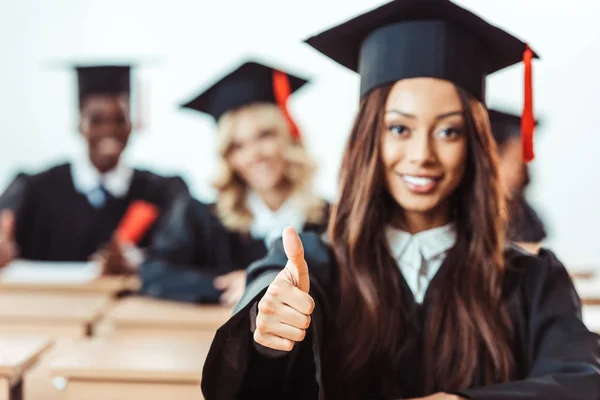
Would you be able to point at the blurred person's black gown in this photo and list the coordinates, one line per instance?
(193, 248)
(55, 222)
(524, 223)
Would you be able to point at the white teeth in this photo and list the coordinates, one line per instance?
(417, 180)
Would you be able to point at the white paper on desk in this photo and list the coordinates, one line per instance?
(44, 272)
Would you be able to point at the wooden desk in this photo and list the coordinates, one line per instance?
(591, 317)
(106, 285)
(53, 315)
(17, 353)
(582, 272)
(119, 369)
(37, 380)
(139, 316)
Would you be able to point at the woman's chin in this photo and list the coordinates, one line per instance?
(264, 184)
(421, 204)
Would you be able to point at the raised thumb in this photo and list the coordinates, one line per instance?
(296, 265)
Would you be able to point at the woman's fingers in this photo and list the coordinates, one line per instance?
(272, 341)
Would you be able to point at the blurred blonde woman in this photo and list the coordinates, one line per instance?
(264, 183)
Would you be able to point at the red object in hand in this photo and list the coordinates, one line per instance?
(137, 220)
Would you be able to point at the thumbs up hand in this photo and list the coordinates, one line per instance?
(8, 247)
(285, 309)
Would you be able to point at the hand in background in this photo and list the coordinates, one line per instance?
(233, 285)
(118, 259)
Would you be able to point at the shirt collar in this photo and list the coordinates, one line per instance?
(430, 243)
(86, 178)
(268, 224)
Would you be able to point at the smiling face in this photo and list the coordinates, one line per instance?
(257, 142)
(105, 124)
(424, 146)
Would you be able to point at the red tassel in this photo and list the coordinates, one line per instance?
(527, 119)
(282, 91)
(137, 220)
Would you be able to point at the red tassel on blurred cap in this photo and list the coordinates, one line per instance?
(137, 220)
(282, 91)
(528, 119)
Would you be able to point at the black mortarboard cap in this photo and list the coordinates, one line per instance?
(252, 82)
(505, 125)
(103, 79)
(420, 38)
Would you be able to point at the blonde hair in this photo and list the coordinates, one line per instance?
(231, 205)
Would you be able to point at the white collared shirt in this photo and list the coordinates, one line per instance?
(267, 224)
(421, 255)
(87, 180)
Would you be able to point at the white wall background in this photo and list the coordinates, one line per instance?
(185, 44)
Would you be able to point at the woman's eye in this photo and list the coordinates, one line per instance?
(398, 130)
(450, 133)
(266, 134)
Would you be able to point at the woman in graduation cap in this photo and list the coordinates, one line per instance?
(264, 184)
(414, 293)
(524, 225)
(70, 212)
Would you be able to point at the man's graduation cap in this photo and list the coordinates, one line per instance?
(103, 79)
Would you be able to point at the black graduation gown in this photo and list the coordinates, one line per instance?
(54, 222)
(192, 249)
(557, 357)
(524, 223)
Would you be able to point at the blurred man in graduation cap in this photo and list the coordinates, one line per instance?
(264, 184)
(71, 211)
(525, 227)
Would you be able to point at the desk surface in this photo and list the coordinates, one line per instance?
(108, 285)
(17, 353)
(584, 272)
(140, 360)
(147, 312)
(37, 380)
(40, 307)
